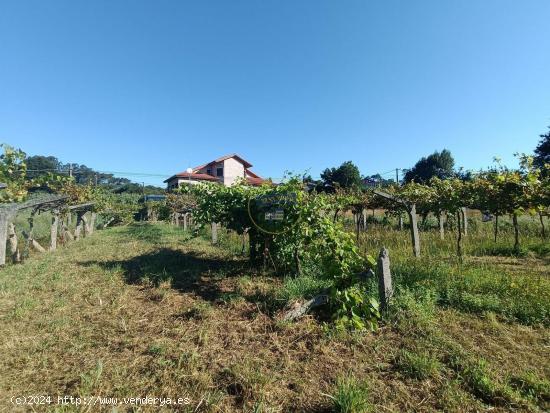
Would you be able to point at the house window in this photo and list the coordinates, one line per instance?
(209, 171)
(219, 171)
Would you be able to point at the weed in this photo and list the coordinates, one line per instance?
(419, 366)
(476, 375)
(302, 287)
(350, 396)
(530, 385)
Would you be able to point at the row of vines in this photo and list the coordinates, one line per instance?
(302, 232)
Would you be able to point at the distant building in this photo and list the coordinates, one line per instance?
(370, 182)
(226, 170)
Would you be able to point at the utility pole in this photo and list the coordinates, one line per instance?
(95, 179)
(397, 176)
(71, 170)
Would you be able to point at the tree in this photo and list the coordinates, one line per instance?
(438, 164)
(39, 165)
(377, 180)
(346, 176)
(542, 151)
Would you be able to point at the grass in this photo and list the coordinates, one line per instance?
(419, 366)
(350, 396)
(151, 310)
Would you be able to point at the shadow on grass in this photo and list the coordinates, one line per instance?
(187, 272)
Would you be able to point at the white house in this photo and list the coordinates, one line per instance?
(226, 170)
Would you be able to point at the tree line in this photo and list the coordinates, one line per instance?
(436, 165)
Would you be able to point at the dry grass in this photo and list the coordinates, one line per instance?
(144, 310)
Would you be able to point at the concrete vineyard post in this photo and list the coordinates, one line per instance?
(214, 233)
(3, 236)
(385, 288)
(464, 211)
(411, 211)
(53, 231)
(14, 243)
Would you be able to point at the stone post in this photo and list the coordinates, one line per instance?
(385, 289)
(214, 233)
(53, 231)
(411, 211)
(14, 243)
(93, 216)
(464, 211)
(79, 225)
(3, 236)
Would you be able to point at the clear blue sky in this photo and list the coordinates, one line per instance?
(157, 86)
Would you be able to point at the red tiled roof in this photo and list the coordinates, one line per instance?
(252, 174)
(223, 158)
(255, 181)
(204, 177)
(193, 176)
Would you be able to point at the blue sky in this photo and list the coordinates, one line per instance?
(157, 86)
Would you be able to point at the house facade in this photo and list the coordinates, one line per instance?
(226, 170)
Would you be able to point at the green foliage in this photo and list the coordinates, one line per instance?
(438, 164)
(419, 366)
(413, 311)
(350, 396)
(302, 287)
(475, 290)
(12, 173)
(530, 385)
(542, 151)
(346, 176)
(116, 208)
(39, 165)
(309, 235)
(477, 376)
(354, 308)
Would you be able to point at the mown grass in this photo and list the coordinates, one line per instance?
(151, 310)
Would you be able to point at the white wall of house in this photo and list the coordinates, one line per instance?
(211, 170)
(177, 182)
(232, 171)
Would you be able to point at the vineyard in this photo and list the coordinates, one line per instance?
(414, 297)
